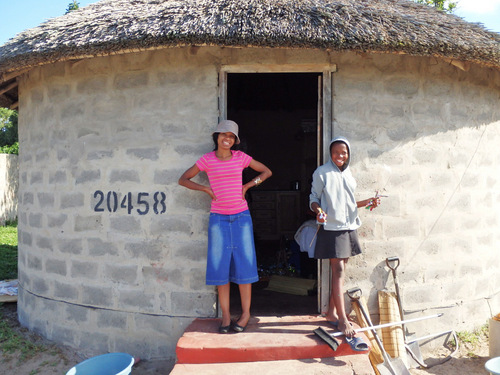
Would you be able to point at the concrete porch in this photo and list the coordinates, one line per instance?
(270, 344)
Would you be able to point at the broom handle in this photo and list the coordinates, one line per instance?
(390, 324)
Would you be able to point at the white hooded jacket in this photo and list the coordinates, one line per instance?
(333, 190)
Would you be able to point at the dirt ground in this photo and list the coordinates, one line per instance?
(54, 359)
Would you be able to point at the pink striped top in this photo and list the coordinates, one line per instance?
(225, 179)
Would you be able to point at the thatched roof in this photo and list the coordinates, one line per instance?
(114, 26)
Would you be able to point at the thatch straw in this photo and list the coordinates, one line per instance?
(114, 26)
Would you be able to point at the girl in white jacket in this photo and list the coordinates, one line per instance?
(332, 199)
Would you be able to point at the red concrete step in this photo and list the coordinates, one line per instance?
(265, 339)
(344, 365)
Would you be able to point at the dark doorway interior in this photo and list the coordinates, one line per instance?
(277, 116)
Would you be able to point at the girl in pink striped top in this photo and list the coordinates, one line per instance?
(231, 249)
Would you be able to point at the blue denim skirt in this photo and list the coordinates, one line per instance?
(231, 249)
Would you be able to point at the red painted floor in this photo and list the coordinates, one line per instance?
(269, 341)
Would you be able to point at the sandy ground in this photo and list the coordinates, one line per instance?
(469, 359)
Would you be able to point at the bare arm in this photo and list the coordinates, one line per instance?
(185, 180)
(320, 214)
(265, 173)
(375, 201)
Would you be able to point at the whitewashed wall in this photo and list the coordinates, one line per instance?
(102, 277)
(9, 183)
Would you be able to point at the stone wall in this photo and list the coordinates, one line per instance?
(426, 134)
(9, 184)
(112, 251)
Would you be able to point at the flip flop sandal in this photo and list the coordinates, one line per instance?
(333, 323)
(357, 344)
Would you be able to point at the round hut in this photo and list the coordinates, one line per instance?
(118, 98)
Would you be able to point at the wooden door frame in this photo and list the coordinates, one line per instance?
(327, 71)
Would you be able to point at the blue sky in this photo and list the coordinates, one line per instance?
(19, 15)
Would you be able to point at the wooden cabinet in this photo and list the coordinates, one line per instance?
(275, 213)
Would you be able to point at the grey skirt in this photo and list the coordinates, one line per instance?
(336, 244)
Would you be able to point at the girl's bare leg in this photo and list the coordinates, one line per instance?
(224, 303)
(246, 301)
(336, 308)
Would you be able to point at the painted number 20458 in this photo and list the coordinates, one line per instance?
(143, 203)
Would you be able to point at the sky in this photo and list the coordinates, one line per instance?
(19, 15)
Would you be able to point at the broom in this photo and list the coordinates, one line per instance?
(375, 354)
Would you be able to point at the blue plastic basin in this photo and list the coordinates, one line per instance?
(493, 366)
(105, 364)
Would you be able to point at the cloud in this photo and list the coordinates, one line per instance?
(479, 7)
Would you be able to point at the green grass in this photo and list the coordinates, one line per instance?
(12, 342)
(473, 337)
(8, 251)
(472, 340)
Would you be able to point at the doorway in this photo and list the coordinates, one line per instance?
(279, 118)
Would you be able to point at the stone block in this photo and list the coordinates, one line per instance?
(58, 92)
(88, 223)
(136, 300)
(88, 176)
(126, 274)
(25, 237)
(138, 343)
(77, 314)
(35, 220)
(167, 176)
(193, 304)
(59, 135)
(65, 291)
(43, 243)
(36, 178)
(96, 341)
(171, 224)
(57, 177)
(87, 270)
(72, 109)
(394, 228)
(34, 262)
(111, 319)
(65, 335)
(45, 200)
(28, 198)
(72, 200)
(23, 219)
(98, 296)
(41, 157)
(124, 176)
(153, 250)
(187, 199)
(70, 246)
(197, 280)
(39, 285)
(97, 247)
(161, 324)
(55, 266)
(162, 275)
(192, 251)
(57, 220)
(98, 155)
(62, 155)
(126, 224)
(151, 153)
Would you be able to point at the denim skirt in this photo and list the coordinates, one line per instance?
(231, 249)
